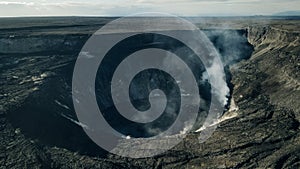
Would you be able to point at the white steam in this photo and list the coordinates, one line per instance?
(217, 78)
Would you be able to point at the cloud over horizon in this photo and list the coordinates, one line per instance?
(126, 7)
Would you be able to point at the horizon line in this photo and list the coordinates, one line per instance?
(110, 16)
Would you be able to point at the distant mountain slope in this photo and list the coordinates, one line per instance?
(288, 13)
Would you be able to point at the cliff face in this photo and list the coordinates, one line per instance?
(261, 130)
(266, 90)
(277, 57)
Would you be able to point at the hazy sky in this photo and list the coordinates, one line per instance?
(125, 7)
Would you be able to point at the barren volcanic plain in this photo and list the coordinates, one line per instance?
(259, 129)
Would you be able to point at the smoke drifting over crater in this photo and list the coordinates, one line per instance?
(232, 45)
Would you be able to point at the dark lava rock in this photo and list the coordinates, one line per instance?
(260, 131)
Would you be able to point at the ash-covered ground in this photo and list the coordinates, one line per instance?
(260, 129)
